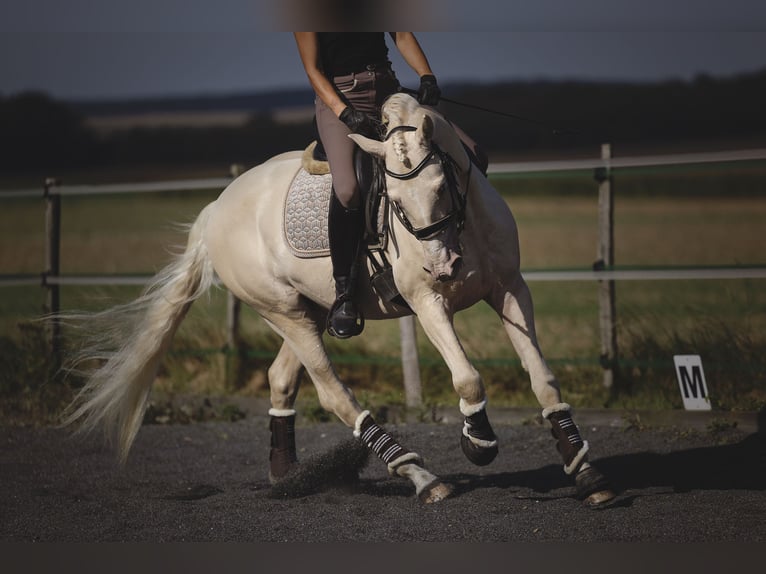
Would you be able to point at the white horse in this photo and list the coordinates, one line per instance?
(453, 242)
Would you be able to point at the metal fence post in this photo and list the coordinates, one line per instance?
(605, 260)
(410, 364)
(52, 262)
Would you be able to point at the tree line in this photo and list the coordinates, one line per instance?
(39, 134)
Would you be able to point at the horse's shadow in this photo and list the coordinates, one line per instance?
(740, 465)
(732, 466)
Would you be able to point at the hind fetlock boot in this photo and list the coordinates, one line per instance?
(345, 226)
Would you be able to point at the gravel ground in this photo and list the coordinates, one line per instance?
(209, 482)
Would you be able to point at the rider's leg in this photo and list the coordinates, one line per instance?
(345, 221)
(345, 230)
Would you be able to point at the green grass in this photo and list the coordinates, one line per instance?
(724, 321)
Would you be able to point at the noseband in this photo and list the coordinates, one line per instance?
(449, 167)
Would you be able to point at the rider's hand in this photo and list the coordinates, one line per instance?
(429, 92)
(358, 122)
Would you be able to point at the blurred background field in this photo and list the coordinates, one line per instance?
(691, 216)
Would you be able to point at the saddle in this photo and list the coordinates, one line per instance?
(307, 205)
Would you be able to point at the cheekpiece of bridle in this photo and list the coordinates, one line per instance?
(449, 167)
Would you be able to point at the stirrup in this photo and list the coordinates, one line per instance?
(352, 324)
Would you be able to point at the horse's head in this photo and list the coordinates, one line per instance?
(422, 154)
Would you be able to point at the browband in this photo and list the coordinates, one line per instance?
(400, 129)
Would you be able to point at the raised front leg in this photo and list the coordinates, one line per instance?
(513, 303)
(478, 441)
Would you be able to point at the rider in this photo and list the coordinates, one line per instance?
(352, 76)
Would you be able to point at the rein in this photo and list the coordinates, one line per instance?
(459, 201)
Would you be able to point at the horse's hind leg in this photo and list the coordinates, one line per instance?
(284, 380)
(515, 307)
(303, 346)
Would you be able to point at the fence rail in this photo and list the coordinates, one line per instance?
(604, 272)
(615, 274)
(628, 162)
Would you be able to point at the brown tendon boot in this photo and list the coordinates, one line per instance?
(572, 448)
(592, 487)
(282, 456)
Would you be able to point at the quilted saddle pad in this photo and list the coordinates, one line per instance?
(307, 204)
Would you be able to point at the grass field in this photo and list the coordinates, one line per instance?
(659, 220)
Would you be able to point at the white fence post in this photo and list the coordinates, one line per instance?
(605, 260)
(52, 262)
(410, 364)
(233, 305)
(233, 311)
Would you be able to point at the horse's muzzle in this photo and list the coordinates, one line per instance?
(451, 271)
(443, 256)
(445, 265)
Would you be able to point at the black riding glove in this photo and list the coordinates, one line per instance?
(358, 122)
(429, 92)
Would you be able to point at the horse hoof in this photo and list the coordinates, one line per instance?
(478, 455)
(600, 499)
(435, 492)
(593, 488)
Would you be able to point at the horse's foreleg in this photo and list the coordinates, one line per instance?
(284, 378)
(514, 305)
(400, 461)
(478, 441)
(306, 348)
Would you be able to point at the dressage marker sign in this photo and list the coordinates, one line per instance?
(691, 380)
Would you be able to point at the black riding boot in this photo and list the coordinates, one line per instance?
(345, 228)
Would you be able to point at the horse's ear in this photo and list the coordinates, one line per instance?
(371, 146)
(446, 138)
(426, 128)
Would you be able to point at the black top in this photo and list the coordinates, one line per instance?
(343, 53)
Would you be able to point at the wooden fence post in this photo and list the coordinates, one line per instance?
(410, 364)
(52, 263)
(605, 260)
(233, 311)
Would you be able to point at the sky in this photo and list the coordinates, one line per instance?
(117, 49)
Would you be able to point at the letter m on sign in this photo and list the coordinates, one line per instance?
(691, 381)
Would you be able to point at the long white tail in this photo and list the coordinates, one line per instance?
(129, 342)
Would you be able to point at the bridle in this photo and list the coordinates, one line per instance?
(459, 201)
